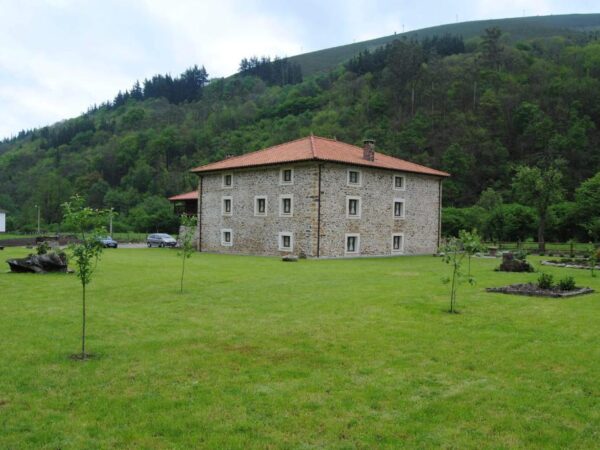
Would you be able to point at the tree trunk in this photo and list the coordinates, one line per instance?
(541, 231)
(452, 291)
(83, 326)
(182, 270)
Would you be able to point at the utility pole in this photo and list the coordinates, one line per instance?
(110, 223)
(38, 219)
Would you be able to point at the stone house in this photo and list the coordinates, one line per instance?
(321, 198)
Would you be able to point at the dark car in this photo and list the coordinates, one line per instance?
(109, 242)
(161, 240)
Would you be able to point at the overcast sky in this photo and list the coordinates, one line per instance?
(57, 57)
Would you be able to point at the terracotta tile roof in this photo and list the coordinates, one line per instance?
(317, 149)
(187, 196)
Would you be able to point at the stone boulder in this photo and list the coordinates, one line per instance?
(50, 262)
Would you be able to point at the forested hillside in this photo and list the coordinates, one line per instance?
(475, 108)
(515, 29)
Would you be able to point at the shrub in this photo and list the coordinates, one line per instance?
(510, 222)
(545, 281)
(514, 263)
(567, 283)
(520, 254)
(42, 248)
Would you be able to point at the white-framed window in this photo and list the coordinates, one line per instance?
(286, 205)
(286, 176)
(227, 180)
(226, 237)
(398, 243)
(226, 205)
(260, 205)
(353, 207)
(399, 182)
(352, 244)
(354, 177)
(399, 209)
(286, 241)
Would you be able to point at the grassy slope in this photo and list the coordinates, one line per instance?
(518, 28)
(263, 354)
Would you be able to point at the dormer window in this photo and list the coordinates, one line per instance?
(354, 177)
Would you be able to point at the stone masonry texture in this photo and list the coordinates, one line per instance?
(259, 235)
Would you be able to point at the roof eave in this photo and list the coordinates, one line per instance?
(200, 171)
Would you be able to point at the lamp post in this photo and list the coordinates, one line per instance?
(110, 222)
(38, 218)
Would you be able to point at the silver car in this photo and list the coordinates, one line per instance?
(161, 240)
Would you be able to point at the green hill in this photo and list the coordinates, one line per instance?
(475, 109)
(516, 29)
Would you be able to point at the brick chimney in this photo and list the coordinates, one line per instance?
(369, 150)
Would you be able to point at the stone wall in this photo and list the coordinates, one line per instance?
(259, 235)
(377, 223)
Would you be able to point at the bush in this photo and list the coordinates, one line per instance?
(510, 222)
(456, 219)
(42, 248)
(545, 281)
(520, 254)
(515, 263)
(567, 283)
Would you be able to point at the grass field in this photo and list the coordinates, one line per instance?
(316, 354)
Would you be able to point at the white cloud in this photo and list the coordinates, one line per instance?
(220, 34)
(58, 57)
(514, 8)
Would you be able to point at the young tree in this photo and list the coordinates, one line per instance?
(540, 189)
(471, 241)
(87, 224)
(454, 255)
(592, 252)
(186, 240)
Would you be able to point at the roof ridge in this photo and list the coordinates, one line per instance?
(313, 149)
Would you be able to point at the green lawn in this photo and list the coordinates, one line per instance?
(258, 353)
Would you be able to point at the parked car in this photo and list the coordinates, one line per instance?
(161, 240)
(109, 242)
